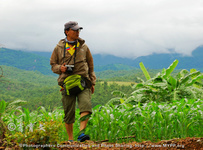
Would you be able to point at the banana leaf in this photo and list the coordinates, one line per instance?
(144, 70)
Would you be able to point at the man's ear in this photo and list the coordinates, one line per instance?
(66, 32)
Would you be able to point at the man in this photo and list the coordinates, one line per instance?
(73, 51)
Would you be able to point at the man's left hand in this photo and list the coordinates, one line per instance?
(92, 89)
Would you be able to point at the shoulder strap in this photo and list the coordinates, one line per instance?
(64, 53)
(76, 43)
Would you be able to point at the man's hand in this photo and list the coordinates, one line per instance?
(63, 68)
(92, 89)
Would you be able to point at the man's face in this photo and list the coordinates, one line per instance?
(72, 35)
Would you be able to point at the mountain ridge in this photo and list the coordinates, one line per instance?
(40, 61)
(105, 62)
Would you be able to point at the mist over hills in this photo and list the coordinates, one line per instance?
(156, 61)
(40, 61)
(153, 61)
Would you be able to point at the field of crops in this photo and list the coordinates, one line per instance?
(122, 123)
(162, 108)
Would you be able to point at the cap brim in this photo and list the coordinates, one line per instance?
(77, 27)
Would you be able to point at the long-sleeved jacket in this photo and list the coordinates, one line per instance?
(83, 63)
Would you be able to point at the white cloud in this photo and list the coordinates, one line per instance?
(127, 28)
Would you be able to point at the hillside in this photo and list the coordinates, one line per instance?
(31, 86)
(40, 61)
(185, 62)
(42, 90)
(25, 60)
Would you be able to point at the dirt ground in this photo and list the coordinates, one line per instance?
(174, 144)
(188, 143)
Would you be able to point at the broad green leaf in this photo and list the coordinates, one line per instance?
(198, 84)
(116, 99)
(195, 79)
(170, 69)
(122, 101)
(14, 104)
(195, 75)
(138, 85)
(97, 106)
(186, 78)
(139, 79)
(2, 106)
(26, 115)
(158, 85)
(192, 70)
(182, 74)
(144, 70)
(118, 93)
(158, 80)
(163, 71)
(130, 105)
(141, 90)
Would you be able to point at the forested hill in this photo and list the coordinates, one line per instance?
(155, 61)
(40, 61)
(42, 90)
(25, 60)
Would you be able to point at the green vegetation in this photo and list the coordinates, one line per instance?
(164, 87)
(114, 67)
(31, 86)
(146, 121)
(160, 108)
(42, 90)
(128, 75)
(25, 60)
(39, 61)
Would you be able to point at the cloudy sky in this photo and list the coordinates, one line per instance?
(126, 28)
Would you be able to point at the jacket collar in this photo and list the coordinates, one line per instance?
(62, 41)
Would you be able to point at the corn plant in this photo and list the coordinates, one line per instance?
(116, 123)
(147, 121)
(7, 109)
(37, 127)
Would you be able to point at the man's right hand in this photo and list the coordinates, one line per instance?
(63, 68)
